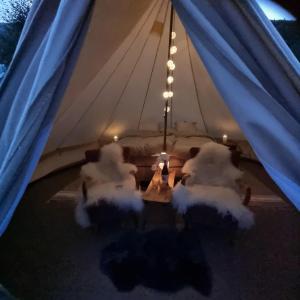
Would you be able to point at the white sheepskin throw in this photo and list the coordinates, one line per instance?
(122, 195)
(212, 166)
(81, 216)
(225, 200)
(109, 180)
(111, 166)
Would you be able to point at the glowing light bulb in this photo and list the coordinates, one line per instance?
(171, 94)
(166, 94)
(116, 138)
(170, 63)
(225, 138)
(170, 79)
(173, 35)
(172, 67)
(173, 50)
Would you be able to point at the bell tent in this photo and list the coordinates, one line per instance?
(85, 73)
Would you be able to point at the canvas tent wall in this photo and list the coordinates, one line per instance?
(117, 86)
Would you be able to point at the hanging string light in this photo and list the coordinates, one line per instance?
(168, 94)
(173, 50)
(170, 79)
(168, 109)
(172, 66)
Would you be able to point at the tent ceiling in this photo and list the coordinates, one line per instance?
(118, 82)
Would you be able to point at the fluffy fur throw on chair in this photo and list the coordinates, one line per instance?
(110, 168)
(212, 182)
(212, 166)
(110, 180)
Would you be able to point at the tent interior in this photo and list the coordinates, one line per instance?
(119, 93)
(115, 95)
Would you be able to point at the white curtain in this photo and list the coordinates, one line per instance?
(258, 77)
(32, 89)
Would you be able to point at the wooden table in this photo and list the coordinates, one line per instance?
(163, 195)
(158, 209)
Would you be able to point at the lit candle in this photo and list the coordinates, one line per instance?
(116, 138)
(225, 138)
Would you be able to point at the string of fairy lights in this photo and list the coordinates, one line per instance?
(168, 94)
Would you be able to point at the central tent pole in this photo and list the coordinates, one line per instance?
(169, 72)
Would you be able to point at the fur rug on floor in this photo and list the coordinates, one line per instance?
(164, 260)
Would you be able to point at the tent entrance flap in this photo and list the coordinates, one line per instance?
(253, 72)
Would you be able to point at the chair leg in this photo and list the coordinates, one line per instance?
(247, 196)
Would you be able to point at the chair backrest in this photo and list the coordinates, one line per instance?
(92, 155)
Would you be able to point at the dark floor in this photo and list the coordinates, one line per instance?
(45, 255)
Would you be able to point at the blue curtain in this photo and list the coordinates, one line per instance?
(258, 77)
(32, 89)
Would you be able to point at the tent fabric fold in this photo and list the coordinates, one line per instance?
(31, 92)
(258, 77)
